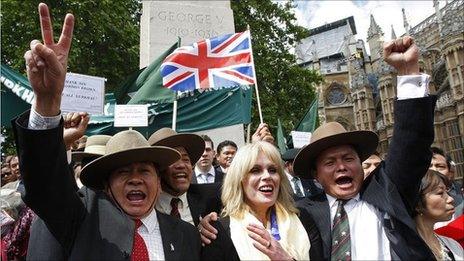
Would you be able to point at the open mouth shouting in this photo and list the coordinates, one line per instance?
(136, 197)
(180, 177)
(344, 182)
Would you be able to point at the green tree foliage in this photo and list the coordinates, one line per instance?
(105, 42)
(286, 90)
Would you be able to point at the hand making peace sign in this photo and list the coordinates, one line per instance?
(46, 64)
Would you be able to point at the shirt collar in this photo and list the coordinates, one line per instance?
(150, 221)
(333, 200)
(164, 201)
(290, 177)
(198, 172)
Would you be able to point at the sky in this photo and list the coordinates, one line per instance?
(311, 14)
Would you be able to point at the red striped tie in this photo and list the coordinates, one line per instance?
(175, 207)
(139, 249)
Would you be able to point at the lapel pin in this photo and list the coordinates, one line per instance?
(172, 247)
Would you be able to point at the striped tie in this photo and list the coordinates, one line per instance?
(175, 207)
(341, 244)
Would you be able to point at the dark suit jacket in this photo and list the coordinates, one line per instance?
(309, 189)
(203, 199)
(394, 185)
(223, 248)
(218, 177)
(87, 224)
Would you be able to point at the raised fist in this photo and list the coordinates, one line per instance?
(403, 55)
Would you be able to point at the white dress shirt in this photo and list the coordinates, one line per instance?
(368, 238)
(205, 177)
(151, 234)
(163, 205)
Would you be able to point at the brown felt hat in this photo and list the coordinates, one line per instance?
(333, 134)
(193, 144)
(124, 148)
(94, 147)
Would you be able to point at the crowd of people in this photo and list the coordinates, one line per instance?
(174, 196)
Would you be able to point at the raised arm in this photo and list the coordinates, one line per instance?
(409, 155)
(50, 189)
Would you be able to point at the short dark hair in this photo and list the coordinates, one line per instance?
(436, 150)
(429, 182)
(206, 138)
(225, 144)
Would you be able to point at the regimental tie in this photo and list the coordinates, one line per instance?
(298, 191)
(175, 207)
(341, 243)
(139, 249)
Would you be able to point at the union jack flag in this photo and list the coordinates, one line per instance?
(223, 61)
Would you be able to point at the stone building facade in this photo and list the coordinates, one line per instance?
(359, 90)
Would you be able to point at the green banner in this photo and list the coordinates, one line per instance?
(196, 111)
(308, 122)
(281, 142)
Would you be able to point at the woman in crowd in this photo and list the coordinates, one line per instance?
(259, 220)
(436, 205)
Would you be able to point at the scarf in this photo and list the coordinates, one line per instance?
(294, 239)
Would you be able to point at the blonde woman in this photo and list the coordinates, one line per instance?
(436, 205)
(259, 220)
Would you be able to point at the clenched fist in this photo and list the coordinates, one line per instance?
(403, 55)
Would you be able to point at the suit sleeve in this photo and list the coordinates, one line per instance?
(50, 189)
(222, 248)
(409, 153)
(316, 251)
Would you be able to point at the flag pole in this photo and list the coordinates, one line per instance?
(174, 113)
(256, 79)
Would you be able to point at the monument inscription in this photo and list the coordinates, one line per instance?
(163, 22)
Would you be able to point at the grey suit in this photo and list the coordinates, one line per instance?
(87, 224)
(394, 185)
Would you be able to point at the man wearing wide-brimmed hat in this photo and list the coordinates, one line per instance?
(371, 219)
(179, 197)
(112, 217)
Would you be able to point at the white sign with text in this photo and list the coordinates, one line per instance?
(300, 138)
(134, 115)
(83, 93)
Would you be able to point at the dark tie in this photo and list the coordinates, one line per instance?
(175, 207)
(298, 191)
(341, 243)
(139, 249)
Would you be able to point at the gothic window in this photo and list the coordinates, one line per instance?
(454, 145)
(336, 94)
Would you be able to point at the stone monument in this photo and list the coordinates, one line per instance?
(163, 21)
(161, 24)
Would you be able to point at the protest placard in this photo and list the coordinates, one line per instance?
(134, 115)
(83, 93)
(300, 138)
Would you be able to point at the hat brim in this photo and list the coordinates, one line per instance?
(78, 156)
(194, 144)
(364, 142)
(95, 174)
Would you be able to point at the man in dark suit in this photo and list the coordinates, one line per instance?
(204, 171)
(112, 217)
(302, 187)
(371, 219)
(179, 197)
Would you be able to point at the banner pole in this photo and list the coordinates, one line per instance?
(256, 79)
(174, 114)
(248, 140)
